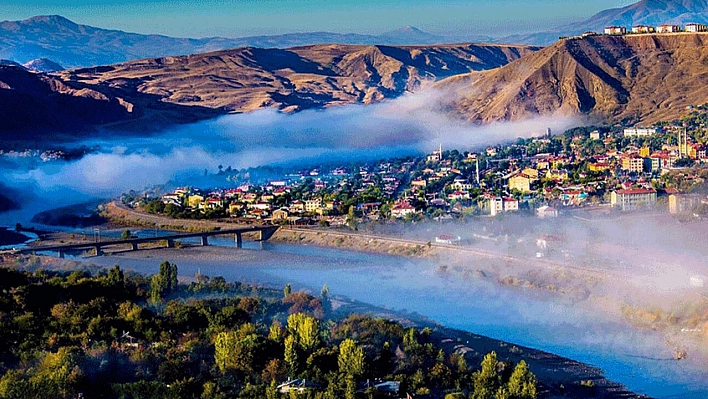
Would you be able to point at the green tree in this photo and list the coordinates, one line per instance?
(351, 218)
(522, 383)
(164, 283)
(291, 357)
(306, 331)
(351, 358)
(287, 290)
(487, 381)
(326, 301)
(125, 234)
(115, 276)
(235, 350)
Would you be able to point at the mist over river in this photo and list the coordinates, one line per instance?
(191, 154)
(638, 359)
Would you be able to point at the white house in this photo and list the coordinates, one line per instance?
(615, 30)
(639, 131)
(643, 29)
(668, 28)
(693, 27)
(546, 212)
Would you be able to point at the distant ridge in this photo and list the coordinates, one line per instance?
(73, 45)
(43, 65)
(149, 94)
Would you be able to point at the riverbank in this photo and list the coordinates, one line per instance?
(560, 377)
(9, 237)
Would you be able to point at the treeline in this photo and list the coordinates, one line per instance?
(124, 335)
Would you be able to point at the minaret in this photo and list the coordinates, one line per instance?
(477, 160)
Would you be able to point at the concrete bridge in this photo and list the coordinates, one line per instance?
(263, 233)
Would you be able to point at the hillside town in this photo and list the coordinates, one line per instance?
(622, 169)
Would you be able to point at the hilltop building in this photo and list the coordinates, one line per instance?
(693, 27)
(615, 30)
(668, 28)
(643, 29)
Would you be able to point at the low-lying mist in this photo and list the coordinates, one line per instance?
(409, 125)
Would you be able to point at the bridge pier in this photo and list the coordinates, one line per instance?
(134, 246)
(60, 254)
(170, 243)
(99, 251)
(239, 240)
(205, 240)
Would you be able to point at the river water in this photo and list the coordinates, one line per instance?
(638, 359)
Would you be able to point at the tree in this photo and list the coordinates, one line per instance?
(522, 383)
(351, 218)
(351, 358)
(291, 358)
(324, 298)
(235, 350)
(306, 331)
(486, 381)
(125, 234)
(164, 283)
(287, 290)
(115, 276)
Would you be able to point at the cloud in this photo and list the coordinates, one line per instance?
(409, 125)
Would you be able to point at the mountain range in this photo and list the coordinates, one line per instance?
(73, 45)
(644, 12)
(159, 91)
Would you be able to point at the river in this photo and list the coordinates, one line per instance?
(638, 359)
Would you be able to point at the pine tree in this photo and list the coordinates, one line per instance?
(522, 383)
(486, 381)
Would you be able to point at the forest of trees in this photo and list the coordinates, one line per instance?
(116, 334)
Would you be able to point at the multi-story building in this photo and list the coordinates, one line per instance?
(313, 205)
(668, 28)
(615, 30)
(643, 29)
(639, 131)
(633, 163)
(633, 198)
(498, 205)
(683, 203)
(521, 183)
(693, 27)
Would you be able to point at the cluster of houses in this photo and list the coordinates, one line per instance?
(443, 184)
(633, 170)
(665, 28)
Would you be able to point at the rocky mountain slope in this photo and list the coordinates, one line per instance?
(73, 45)
(644, 12)
(245, 79)
(35, 105)
(610, 78)
(152, 93)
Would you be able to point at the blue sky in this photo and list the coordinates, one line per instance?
(232, 18)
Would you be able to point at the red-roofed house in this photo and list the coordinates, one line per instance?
(633, 198)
